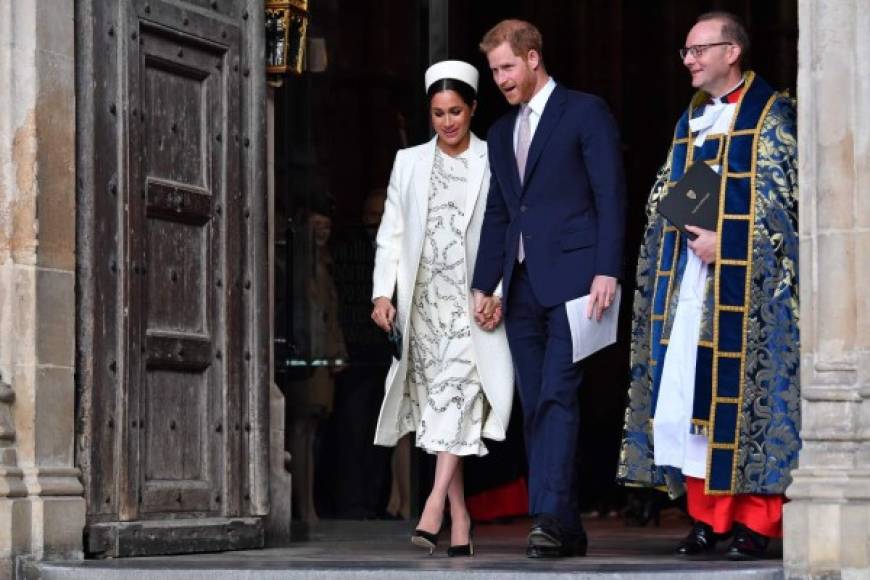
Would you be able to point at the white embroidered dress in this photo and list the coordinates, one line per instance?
(443, 399)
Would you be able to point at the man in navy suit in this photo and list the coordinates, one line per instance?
(553, 231)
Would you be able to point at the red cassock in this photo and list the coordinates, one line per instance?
(759, 513)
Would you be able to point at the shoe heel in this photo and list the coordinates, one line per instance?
(464, 549)
(460, 551)
(425, 540)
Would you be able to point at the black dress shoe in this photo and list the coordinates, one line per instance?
(701, 540)
(545, 532)
(575, 546)
(547, 539)
(747, 545)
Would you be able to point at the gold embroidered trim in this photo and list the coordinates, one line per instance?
(723, 354)
(733, 400)
(718, 307)
(748, 285)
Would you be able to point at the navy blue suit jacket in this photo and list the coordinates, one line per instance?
(570, 207)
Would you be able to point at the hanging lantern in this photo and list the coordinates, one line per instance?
(286, 29)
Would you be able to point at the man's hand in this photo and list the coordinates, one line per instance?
(704, 245)
(487, 310)
(600, 296)
(494, 313)
(384, 313)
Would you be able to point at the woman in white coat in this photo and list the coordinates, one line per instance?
(454, 383)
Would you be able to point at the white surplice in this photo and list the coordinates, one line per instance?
(674, 444)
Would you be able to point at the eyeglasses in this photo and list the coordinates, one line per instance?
(698, 49)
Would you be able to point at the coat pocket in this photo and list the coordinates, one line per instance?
(579, 239)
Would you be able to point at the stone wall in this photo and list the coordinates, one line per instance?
(41, 508)
(827, 525)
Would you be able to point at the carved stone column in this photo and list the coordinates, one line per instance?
(13, 508)
(41, 508)
(826, 524)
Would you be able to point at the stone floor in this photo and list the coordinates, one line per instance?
(381, 551)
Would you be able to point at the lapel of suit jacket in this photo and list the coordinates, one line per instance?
(422, 175)
(508, 155)
(549, 120)
(476, 169)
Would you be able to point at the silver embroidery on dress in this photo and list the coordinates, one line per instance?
(443, 399)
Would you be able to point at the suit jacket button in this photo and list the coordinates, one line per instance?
(523, 208)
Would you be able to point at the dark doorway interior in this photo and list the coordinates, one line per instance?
(337, 132)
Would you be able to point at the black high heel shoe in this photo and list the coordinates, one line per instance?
(426, 540)
(463, 549)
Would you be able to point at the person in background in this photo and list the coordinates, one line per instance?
(311, 398)
(361, 481)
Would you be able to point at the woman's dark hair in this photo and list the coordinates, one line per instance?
(464, 90)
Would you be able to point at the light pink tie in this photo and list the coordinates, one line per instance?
(524, 139)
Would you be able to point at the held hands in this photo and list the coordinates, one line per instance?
(600, 296)
(384, 313)
(704, 245)
(487, 310)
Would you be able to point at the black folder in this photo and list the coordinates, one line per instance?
(694, 199)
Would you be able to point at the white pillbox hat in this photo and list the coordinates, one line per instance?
(452, 69)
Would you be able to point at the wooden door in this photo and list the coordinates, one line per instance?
(172, 294)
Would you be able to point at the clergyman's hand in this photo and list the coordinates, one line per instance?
(704, 246)
(600, 296)
(384, 313)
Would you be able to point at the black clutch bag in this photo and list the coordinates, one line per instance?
(694, 200)
(394, 335)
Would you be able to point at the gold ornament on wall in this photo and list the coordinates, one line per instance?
(286, 31)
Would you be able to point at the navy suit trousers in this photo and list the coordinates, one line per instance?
(549, 385)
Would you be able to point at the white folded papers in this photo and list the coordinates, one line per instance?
(587, 334)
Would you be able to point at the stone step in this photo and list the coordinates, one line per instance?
(326, 570)
(381, 551)
(378, 570)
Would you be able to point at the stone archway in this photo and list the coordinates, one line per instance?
(41, 508)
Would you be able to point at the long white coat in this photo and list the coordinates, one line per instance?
(399, 247)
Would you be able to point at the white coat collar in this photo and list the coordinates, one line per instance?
(423, 172)
(476, 171)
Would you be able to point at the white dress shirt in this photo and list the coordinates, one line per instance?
(536, 104)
